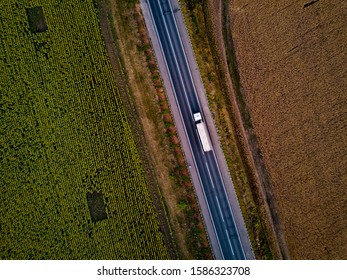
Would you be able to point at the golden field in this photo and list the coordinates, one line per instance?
(291, 58)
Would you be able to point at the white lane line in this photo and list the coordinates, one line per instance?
(186, 97)
(175, 57)
(209, 174)
(232, 251)
(196, 94)
(185, 56)
(220, 209)
(230, 207)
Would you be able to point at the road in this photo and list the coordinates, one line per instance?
(217, 201)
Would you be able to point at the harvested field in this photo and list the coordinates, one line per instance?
(292, 59)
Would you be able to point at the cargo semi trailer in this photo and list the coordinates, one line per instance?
(202, 131)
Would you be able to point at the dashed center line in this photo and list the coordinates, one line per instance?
(220, 209)
(232, 251)
(209, 174)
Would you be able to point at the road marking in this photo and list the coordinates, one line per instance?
(230, 207)
(179, 110)
(195, 92)
(209, 174)
(185, 56)
(175, 57)
(220, 209)
(232, 251)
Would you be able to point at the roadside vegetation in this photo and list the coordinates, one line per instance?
(201, 20)
(72, 183)
(164, 155)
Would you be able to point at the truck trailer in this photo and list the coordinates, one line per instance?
(202, 131)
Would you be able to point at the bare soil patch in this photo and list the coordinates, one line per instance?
(96, 206)
(36, 19)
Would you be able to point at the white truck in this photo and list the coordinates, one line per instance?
(201, 127)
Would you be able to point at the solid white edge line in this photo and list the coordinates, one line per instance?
(229, 203)
(186, 96)
(237, 230)
(175, 58)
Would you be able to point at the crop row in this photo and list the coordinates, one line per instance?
(64, 133)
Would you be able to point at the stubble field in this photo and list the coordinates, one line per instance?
(292, 58)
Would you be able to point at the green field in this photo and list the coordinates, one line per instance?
(71, 181)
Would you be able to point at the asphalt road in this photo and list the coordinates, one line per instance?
(187, 99)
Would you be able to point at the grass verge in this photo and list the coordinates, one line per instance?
(159, 137)
(199, 24)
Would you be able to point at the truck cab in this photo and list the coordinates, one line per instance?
(197, 117)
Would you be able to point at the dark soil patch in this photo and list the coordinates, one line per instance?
(36, 19)
(96, 206)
